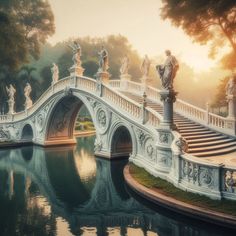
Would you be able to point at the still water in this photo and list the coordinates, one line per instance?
(67, 191)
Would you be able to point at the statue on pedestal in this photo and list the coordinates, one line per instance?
(103, 60)
(231, 87)
(28, 101)
(167, 72)
(76, 49)
(11, 101)
(124, 66)
(145, 67)
(55, 73)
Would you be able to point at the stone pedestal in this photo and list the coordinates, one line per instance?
(168, 97)
(76, 70)
(231, 106)
(145, 81)
(103, 77)
(123, 79)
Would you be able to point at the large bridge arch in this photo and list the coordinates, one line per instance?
(61, 119)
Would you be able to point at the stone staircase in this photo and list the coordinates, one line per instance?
(202, 141)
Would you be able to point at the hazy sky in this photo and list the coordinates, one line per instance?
(138, 20)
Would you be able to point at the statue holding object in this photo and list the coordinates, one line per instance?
(103, 60)
(168, 70)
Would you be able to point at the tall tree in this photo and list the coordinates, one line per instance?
(206, 21)
(24, 26)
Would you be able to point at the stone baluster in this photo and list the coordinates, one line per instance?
(144, 113)
(207, 113)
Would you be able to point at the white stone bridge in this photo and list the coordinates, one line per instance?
(127, 123)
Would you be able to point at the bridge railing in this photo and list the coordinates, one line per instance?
(122, 101)
(199, 115)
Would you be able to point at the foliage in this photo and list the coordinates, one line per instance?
(24, 26)
(166, 188)
(205, 21)
(220, 98)
(117, 47)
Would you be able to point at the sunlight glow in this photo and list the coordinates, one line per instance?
(144, 28)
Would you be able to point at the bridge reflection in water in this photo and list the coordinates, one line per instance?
(67, 191)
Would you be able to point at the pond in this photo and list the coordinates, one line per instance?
(68, 191)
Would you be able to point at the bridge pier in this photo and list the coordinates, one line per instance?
(168, 97)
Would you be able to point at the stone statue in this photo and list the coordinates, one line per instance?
(103, 60)
(55, 73)
(231, 87)
(124, 66)
(145, 67)
(167, 72)
(76, 49)
(27, 91)
(11, 101)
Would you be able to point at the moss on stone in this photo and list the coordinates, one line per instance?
(168, 189)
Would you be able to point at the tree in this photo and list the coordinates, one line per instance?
(24, 26)
(206, 21)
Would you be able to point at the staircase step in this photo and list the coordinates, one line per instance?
(215, 152)
(206, 132)
(202, 136)
(210, 143)
(193, 130)
(212, 148)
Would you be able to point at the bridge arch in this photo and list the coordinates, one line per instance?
(27, 133)
(60, 123)
(122, 140)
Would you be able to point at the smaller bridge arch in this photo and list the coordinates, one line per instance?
(122, 140)
(27, 134)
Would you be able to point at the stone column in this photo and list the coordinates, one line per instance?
(168, 97)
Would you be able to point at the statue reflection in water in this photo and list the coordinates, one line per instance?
(67, 189)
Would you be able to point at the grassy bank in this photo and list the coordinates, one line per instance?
(168, 189)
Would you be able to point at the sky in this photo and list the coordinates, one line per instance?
(138, 20)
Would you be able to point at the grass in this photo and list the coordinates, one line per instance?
(168, 189)
(84, 125)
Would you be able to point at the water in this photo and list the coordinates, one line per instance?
(67, 191)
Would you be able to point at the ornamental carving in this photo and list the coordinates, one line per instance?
(230, 181)
(182, 145)
(206, 177)
(163, 137)
(97, 145)
(40, 121)
(4, 134)
(92, 102)
(102, 118)
(141, 137)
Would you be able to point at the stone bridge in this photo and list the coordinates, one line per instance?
(135, 120)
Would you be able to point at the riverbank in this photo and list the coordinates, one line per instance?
(84, 133)
(166, 195)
